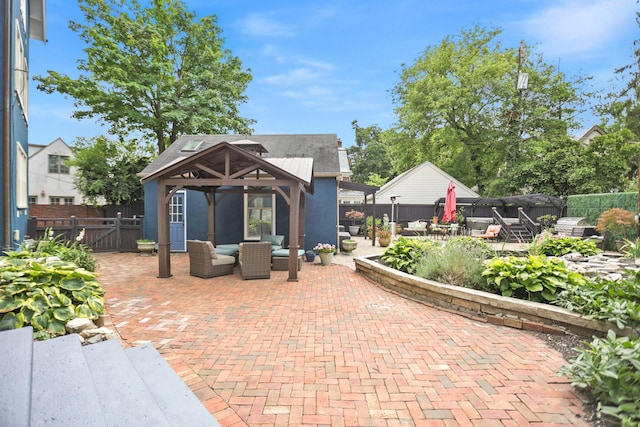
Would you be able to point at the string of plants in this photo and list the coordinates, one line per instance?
(609, 367)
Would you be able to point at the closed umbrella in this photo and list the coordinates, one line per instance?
(450, 204)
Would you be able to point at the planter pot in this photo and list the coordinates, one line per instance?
(384, 241)
(325, 259)
(354, 230)
(146, 247)
(310, 256)
(348, 246)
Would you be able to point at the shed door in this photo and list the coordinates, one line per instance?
(177, 217)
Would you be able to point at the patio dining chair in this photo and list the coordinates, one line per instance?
(254, 259)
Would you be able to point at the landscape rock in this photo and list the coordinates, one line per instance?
(79, 324)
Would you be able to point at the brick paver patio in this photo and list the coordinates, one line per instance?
(332, 349)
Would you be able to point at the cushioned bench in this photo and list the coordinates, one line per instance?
(280, 259)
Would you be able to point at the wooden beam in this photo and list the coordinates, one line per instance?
(294, 223)
(164, 252)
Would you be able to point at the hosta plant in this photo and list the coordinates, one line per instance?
(46, 294)
(404, 253)
(534, 278)
(547, 244)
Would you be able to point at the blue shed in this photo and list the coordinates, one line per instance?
(235, 188)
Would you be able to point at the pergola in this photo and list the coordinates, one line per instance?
(233, 168)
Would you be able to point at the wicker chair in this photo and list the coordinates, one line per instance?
(255, 260)
(205, 263)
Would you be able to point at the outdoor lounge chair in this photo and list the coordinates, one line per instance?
(255, 260)
(205, 262)
(493, 231)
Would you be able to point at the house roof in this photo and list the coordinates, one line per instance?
(229, 162)
(423, 184)
(593, 132)
(322, 148)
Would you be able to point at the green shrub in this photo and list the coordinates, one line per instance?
(610, 369)
(534, 278)
(46, 294)
(547, 244)
(51, 245)
(456, 263)
(404, 253)
(617, 302)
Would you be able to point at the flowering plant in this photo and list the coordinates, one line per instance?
(383, 232)
(355, 215)
(324, 248)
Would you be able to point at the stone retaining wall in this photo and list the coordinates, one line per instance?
(484, 306)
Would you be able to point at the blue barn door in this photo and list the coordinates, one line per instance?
(177, 219)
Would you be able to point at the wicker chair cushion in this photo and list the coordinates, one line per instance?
(212, 250)
(274, 239)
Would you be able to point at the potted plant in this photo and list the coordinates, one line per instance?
(631, 249)
(616, 225)
(384, 235)
(354, 215)
(146, 246)
(349, 245)
(310, 255)
(369, 223)
(325, 251)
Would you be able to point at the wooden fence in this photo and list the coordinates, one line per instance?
(100, 234)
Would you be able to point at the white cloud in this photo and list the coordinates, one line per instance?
(264, 26)
(577, 27)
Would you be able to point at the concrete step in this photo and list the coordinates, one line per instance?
(16, 353)
(62, 392)
(178, 404)
(123, 395)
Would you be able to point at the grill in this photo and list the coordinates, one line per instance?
(575, 227)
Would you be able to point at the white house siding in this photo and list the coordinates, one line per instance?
(44, 185)
(423, 184)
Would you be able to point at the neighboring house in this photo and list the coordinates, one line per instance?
(422, 185)
(592, 133)
(21, 21)
(245, 215)
(50, 179)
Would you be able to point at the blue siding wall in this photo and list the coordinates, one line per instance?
(150, 227)
(320, 225)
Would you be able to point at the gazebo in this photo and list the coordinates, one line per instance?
(227, 168)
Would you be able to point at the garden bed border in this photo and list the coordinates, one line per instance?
(484, 306)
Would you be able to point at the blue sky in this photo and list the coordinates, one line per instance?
(319, 65)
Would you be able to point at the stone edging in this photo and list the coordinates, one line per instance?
(489, 307)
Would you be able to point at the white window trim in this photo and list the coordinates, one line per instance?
(22, 179)
(248, 236)
(21, 73)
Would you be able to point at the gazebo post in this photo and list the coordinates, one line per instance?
(164, 253)
(211, 216)
(294, 224)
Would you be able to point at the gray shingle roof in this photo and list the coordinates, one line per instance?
(323, 148)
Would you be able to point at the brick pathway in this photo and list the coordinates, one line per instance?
(332, 349)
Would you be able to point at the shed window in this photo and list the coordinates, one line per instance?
(259, 216)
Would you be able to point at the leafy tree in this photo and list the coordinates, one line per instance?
(157, 71)
(370, 155)
(458, 107)
(622, 105)
(107, 169)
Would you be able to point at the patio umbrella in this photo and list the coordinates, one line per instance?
(450, 204)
